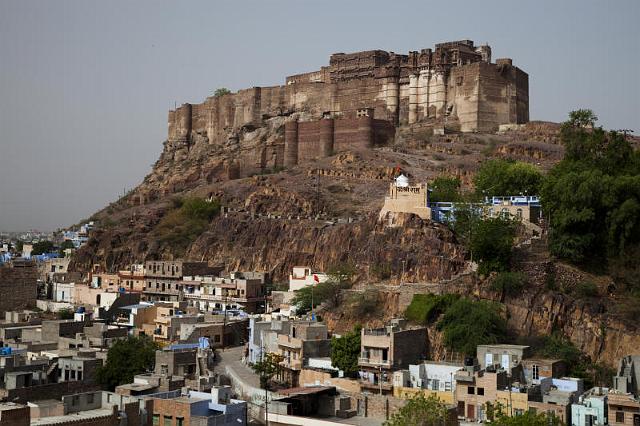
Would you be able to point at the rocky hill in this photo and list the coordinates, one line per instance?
(326, 211)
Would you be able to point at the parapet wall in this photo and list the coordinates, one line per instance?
(309, 140)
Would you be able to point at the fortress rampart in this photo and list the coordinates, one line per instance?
(355, 103)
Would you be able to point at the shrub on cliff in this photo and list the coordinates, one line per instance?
(221, 92)
(491, 244)
(426, 308)
(468, 323)
(185, 221)
(509, 283)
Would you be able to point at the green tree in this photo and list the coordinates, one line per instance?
(221, 92)
(592, 198)
(345, 351)
(445, 189)
(507, 177)
(422, 411)
(468, 323)
(66, 244)
(125, 359)
(582, 118)
(528, 419)
(42, 247)
(268, 367)
(492, 244)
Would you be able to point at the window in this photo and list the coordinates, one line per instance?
(619, 416)
(480, 391)
(90, 398)
(216, 338)
(168, 420)
(179, 421)
(535, 372)
(471, 390)
(156, 420)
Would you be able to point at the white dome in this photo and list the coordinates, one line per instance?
(402, 181)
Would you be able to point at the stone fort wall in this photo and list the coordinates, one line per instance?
(455, 80)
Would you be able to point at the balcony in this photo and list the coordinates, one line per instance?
(289, 342)
(374, 362)
(295, 364)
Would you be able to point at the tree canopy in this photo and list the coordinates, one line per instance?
(422, 411)
(445, 188)
(221, 92)
(42, 247)
(468, 323)
(592, 197)
(492, 244)
(345, 351)
(528, 418)
(125, 359)
(268, 367)
(507, 177)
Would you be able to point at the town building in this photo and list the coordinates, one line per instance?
(627, 378)
(430, 378)
(18, 285)
(303, 276)
(200, 409)
(390, 348)
(263, 335)
(591, 408)
(504, 356)
(240, 291)
(305, 339)
(12, 414)
(623, 409)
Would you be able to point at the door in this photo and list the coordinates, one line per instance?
(471, 412)
(505, 361)
(461, 408)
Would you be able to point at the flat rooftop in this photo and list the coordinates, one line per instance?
(75, 417)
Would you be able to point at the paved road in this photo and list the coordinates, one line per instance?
(231, 359)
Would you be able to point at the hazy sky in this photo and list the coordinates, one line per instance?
(85, 85)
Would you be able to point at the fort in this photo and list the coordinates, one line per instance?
(356, 102)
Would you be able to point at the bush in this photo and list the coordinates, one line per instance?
(426, 308)
(492, 244)
(185, 222)
(221, 92)
(586, 290)
(468, 323)
(509, 283)
(445, 188)
(507, 177)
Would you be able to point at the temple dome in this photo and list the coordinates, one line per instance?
(402, 181)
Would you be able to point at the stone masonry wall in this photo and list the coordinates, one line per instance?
(18, 288)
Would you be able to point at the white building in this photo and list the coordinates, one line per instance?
(431, 375)
(302, 276)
